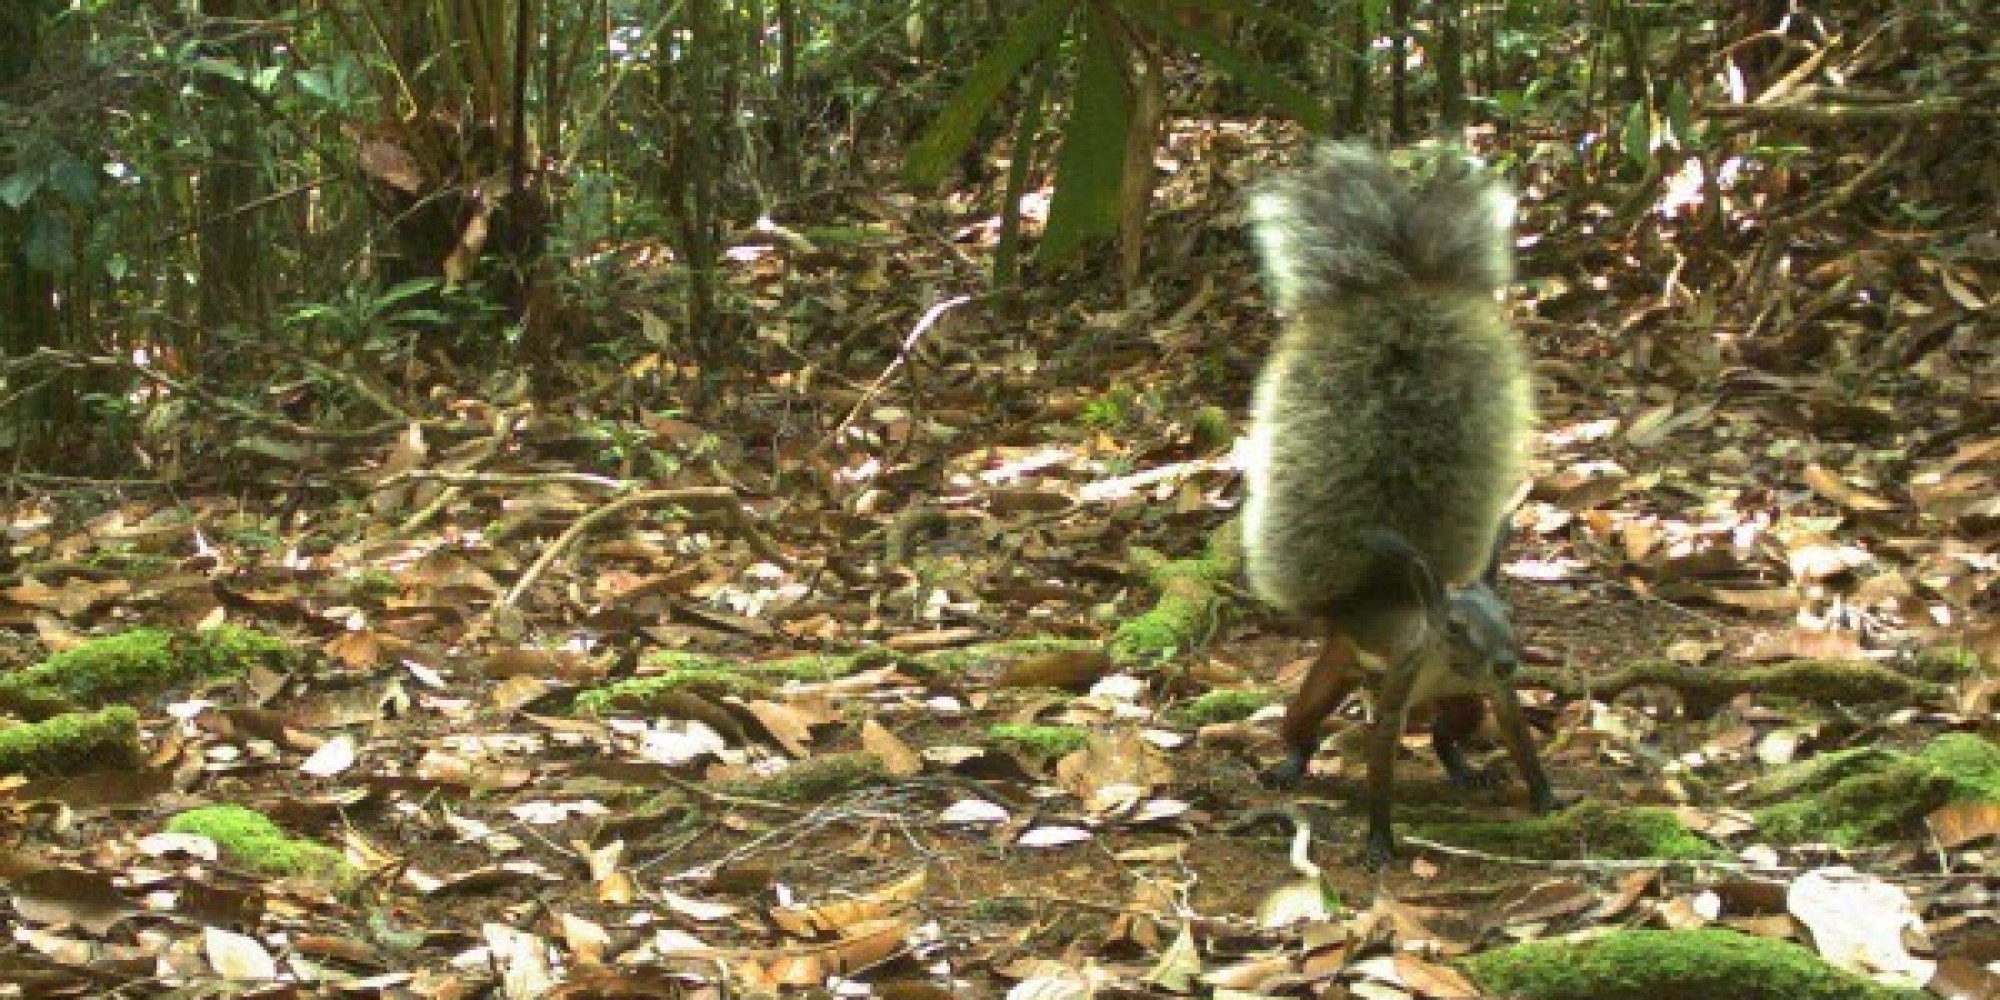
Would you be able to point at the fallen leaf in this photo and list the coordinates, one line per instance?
(333, 757)
(1828, 484)
(898, 759)
(1957, 824)
(238, 958)
(1858, 923)
(1053, 836)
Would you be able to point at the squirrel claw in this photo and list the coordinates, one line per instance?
(1468, 780)
(1380, 851)
(1286, 774)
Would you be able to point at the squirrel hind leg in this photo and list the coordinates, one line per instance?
(1335, 675)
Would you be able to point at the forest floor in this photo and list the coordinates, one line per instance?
(1799, 479)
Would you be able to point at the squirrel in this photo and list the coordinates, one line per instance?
(1390, 425)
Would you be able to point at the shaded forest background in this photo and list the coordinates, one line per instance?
(864, 378)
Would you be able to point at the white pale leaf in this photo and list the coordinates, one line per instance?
(333, 757)
(190, 844)
(1857, 923)
(239, 959)
(681, 742)
(1119, 687)
(1297, 901)
(973, 811)
(1053, 836)
(699, 910)
(545, 813)
(1155, 810)
(1050, 988)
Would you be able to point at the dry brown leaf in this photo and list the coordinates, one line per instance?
(1065, 670)
(924, 642)
(1432, 980)
(1686, 913)
(871, 943)
(587, 939)
(1960, 978)
(1957, 824)
(1773, 600)
(1632, 886)
(1546, 901)
(898, 759)
(1803, 644)
(1114, 771)
(1828, 484)
(71, 897)
(833, 917)
(783, 724)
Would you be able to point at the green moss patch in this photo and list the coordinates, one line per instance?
(1590, 829)
(815, 779)
(1040, 742)
(250, 840)
(138, 661)
(1190, 601)
(655, 692)
(72, 743)
(1649, 965)
(1870, 794)
(1221, 706)
(1971, 761)
(809, 667)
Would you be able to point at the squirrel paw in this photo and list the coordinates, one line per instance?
(1380, 851)
(1542, 799)
(1469, 781)
(1286, 774)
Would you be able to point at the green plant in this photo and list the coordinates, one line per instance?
(379, 322)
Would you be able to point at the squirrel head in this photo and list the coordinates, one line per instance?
(1479, 634)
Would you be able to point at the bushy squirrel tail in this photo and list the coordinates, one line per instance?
(1347, 223)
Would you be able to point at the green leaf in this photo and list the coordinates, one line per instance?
(73, 179)
(405, 290)
(227, 69)
(314, 83)
(46, 247)
(1090, 169)
(932, 155)
(1638, 134)
(17, 188)
(1680, 114)
(1239, 65)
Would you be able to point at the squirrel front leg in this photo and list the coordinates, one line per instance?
(1392, 709)
(1457, 718)
(1521, 746)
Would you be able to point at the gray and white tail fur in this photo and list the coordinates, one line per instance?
(1396, 404)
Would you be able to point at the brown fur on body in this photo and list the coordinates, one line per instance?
(1391, 424)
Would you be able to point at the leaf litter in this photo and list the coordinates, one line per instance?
(850, 820)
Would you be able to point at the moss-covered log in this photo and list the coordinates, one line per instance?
(1649, 965)
(139, 661)
(1705, 690)
(1191, 598)
(72, 743)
